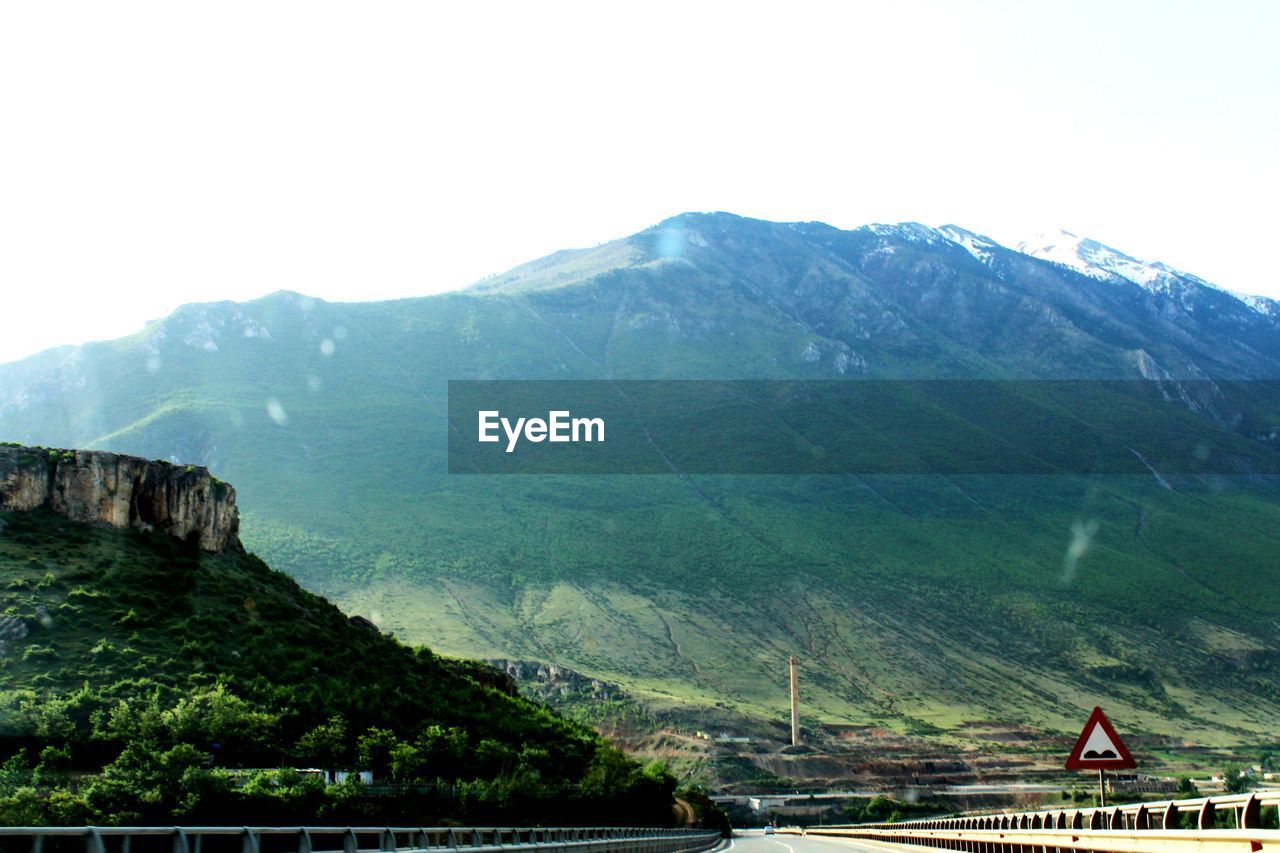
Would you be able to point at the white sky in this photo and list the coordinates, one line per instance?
(153, 154)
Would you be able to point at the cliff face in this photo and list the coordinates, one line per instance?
(123, 491)
(550, 682)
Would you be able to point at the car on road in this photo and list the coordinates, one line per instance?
(768, 830)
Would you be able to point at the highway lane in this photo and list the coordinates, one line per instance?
(755, 841)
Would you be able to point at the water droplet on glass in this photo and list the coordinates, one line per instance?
(276, 412)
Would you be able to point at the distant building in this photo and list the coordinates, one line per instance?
(1136, 783)
(329, 777)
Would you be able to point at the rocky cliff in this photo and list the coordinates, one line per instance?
(123, 491)
(549, 682)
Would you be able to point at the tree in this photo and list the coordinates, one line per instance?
(220, 721)
(325, 745)
(443, 748)
(1234, 779)
(407, 762)
(14, 773)
(374, 750)
(611, 773)
(493, 758)
(145, 781)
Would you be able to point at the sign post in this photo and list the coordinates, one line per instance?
(1100, 748)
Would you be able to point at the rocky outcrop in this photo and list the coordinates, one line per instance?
(123, 491)
(550, 682)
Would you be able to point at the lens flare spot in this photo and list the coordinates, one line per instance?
(671, 243)
(1082, 534)
(276, 412)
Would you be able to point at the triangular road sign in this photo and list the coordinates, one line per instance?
(1099, 747)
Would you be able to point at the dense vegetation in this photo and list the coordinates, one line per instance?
(148, 682)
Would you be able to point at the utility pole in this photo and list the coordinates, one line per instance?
(795, 702)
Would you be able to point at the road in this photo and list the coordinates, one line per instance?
(755, 841)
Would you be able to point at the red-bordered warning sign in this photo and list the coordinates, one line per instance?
(1099, 747)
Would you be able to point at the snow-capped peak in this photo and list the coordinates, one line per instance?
(912, 232)
(1085, 256)
(977, 245)
(1096, 260)
(1105, 263)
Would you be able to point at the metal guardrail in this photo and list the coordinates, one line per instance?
(1232, 824)
(353, 839)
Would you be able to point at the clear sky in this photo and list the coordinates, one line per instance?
(153, 154)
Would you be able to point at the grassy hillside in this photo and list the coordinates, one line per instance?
(963, 607)
(141, 677)
(917, 603)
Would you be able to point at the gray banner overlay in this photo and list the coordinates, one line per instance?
(952, 426)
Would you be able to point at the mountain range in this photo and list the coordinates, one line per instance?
(922, 604)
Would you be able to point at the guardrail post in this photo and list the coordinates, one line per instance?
(93, 842)
(249, 842)
(180, 843)
(37, 843)
(1171, 817)
(387, 841)
(1205, 819)
(350, 844)
(304, 840)
(1251, 813)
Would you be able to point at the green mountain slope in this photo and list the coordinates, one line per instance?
(918, 603)
(140, 677)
